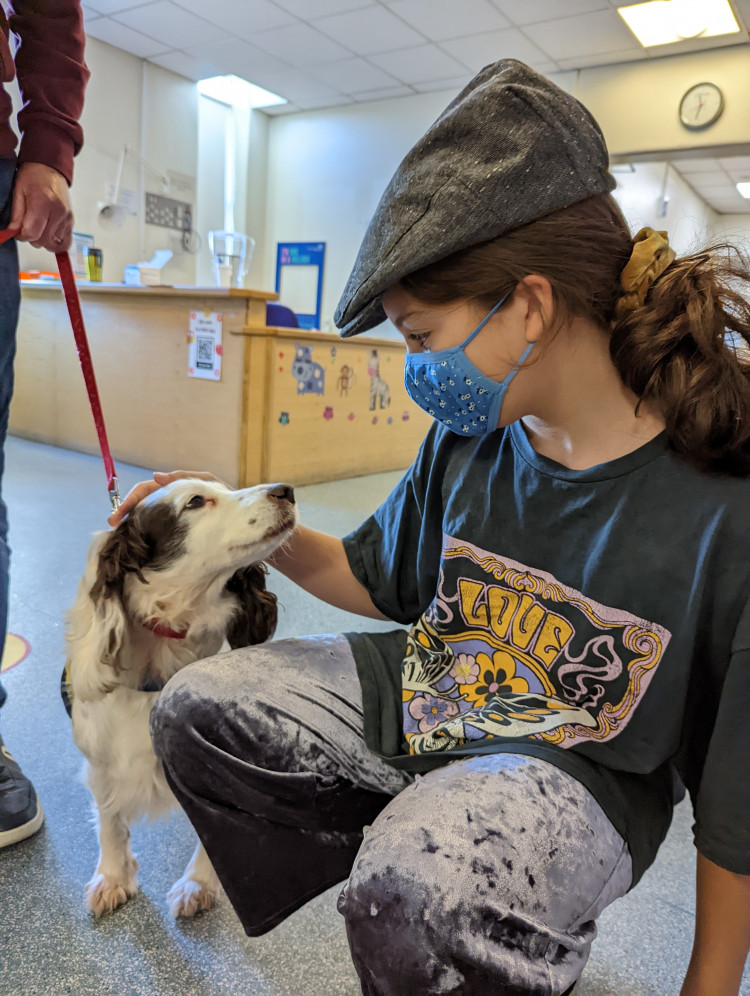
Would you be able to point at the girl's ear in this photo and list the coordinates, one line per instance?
(255, 620)
(535, 291)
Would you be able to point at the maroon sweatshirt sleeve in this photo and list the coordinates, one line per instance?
(52, 78)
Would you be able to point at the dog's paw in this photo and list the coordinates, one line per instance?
(188, 897)
(104, 893)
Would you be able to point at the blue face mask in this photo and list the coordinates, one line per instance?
(448, 386)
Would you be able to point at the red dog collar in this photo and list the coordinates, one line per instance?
(159, 630)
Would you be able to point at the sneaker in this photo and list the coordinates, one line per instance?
(20, 810)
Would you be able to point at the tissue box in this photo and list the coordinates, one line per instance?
(147, 273)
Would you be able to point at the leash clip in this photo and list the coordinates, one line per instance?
(114, 494)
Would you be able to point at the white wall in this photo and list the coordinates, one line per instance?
(164, 128)
(326, 173)
(689, 221)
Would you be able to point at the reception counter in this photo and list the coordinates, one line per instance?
(290, 405)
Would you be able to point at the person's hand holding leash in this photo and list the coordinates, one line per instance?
(41, 208)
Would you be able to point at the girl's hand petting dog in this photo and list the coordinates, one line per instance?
(145, 488)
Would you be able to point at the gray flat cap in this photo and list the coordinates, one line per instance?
(510, 148)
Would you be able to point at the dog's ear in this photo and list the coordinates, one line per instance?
(256, 616)
(125, 551)
(95, 629)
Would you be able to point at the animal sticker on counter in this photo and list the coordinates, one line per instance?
(346, 380)
(380, 393)
(328, 413)
(310, 376)
(284, 418)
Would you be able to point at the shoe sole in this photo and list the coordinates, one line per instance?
(17, 834)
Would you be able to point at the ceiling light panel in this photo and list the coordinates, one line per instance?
(666, 22)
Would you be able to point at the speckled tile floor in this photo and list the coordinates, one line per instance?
(50, 946)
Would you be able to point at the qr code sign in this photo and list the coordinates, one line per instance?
(205, 353)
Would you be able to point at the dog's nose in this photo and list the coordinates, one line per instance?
(284, 492)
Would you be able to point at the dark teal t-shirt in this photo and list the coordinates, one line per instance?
(598, 619)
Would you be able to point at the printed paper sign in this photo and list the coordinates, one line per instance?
(204, 345)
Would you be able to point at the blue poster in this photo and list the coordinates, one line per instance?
(299, 279)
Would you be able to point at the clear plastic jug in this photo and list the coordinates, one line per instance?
(231, 253)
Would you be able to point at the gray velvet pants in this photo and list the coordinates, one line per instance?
(485, 876)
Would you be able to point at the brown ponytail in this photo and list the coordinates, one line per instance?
(673, 351)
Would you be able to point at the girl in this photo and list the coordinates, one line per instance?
(570, 551)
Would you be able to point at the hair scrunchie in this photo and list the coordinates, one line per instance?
(651, 255)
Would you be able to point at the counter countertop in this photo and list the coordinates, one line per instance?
(85, 287)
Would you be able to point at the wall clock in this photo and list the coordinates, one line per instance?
(701, 105)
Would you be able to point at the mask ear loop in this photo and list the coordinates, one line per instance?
(484, 321)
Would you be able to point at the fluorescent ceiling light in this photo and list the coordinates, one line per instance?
(237, 92)
(744, 189)
(663, 22)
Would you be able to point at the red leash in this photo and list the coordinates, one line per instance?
(84, 355)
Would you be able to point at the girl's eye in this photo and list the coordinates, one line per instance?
(419, 337)
(197, 501)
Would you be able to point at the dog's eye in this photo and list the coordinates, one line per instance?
(197, 501)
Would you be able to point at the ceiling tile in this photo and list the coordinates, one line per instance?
(439, 19)
(371, 29)
(708, 178)
(477, 51)
(385, 94)
(737, 166)
(301, 45)
(242, 18)
(277, 110)
(114, 6)
(532, 11)
(730, 207)
(725, 191)
(696, 165)
(313, 103)
(352, 75)
(603, 59)
(310, 9)
(173, 25)
(586, 34)
(187, 65)
(107, 30)
(416, 65)
(742, 7)
(236, 56)
(453, 84)
(88, 13)
(294, 84)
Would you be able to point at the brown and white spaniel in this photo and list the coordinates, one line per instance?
(180, 576)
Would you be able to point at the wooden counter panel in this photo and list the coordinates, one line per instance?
(156, 415)
(336, 409)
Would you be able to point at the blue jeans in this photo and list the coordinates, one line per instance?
(10, 296)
